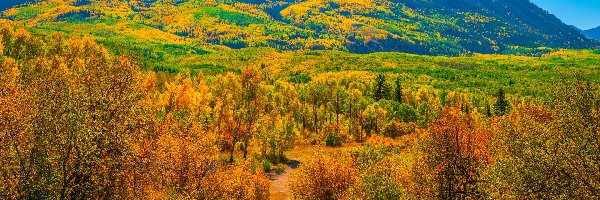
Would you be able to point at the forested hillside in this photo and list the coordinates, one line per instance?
(296, 99)
(78, 121)
(436, 27)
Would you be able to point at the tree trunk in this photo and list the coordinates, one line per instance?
(231, 153)
(315, 118)
(246, 143)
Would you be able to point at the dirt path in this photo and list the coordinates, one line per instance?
(279, 181)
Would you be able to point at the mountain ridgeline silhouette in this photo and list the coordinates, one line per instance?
(593, 33)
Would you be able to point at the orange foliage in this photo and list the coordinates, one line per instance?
(324, 177)
(236, 183)
(458, 146)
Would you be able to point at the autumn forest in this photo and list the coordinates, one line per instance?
(87, 117)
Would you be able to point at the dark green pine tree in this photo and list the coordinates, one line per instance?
(398, 92)
(501, 105)
(488, 110)
(381, 89)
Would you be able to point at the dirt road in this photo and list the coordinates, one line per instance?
(279, 181)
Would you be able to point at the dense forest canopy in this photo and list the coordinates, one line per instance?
(303, 99)
(80, 122)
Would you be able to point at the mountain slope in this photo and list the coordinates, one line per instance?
(436, 27)
(593, 33)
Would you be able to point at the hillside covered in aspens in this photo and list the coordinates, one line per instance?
(436, 27)
(307, 99)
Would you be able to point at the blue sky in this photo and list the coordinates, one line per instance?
(584, 14)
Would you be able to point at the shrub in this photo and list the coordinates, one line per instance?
(324, 177)
(380, 186)
(235, 183)
(383, 173)
(397, 129)
(332, 135)
(333, 140)
(266, 165)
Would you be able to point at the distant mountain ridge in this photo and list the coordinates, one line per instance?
(435, 27)
(10, 3)
(593, 33)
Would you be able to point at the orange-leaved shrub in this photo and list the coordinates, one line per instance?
(236, 183)
(325, 176)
